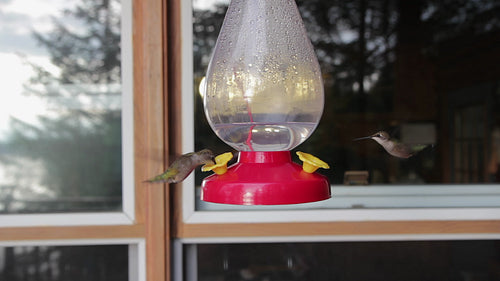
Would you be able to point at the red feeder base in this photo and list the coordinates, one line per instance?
(265, 178)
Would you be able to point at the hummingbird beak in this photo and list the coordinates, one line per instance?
(363, 138)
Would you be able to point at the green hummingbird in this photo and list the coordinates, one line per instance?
(184, 165)
(393, 147)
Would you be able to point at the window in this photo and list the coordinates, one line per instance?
(73, 148)
(62, 115)
(96, 262)
(373, 260)
(414, 72)
(66, 125)
(399, 80)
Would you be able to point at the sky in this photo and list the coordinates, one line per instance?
(207, 4)
(18, 20)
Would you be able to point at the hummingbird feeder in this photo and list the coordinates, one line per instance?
(264, 96)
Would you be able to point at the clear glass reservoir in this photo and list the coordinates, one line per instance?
(264, 90)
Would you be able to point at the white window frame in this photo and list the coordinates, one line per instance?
(456, 193)
(127, 215)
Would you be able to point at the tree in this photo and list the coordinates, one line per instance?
(88, 56)
(206, 26)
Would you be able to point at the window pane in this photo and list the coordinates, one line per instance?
(49, 263)
(60, 113)
(414, 69)
(416, 260)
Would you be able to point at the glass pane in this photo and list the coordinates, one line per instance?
(349, 261)
(54, 263)
(60, 109)
(414, 69)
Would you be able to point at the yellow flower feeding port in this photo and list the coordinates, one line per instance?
(311, 163)
(220, 166)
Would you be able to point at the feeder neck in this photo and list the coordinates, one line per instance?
(265, 157)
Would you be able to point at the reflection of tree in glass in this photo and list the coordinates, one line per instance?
(60, 263)
(360, 45)
(354, 41)
(89, 54)
(79, 142)
(206, 25)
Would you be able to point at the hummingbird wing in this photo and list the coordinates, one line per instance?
(406, 150)
(182, 166)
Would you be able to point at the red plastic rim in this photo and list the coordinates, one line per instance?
(265, 178)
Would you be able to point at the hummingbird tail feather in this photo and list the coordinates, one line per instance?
(156, 179)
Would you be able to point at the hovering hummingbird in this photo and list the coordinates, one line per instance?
(393, 147)
(184, 165)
